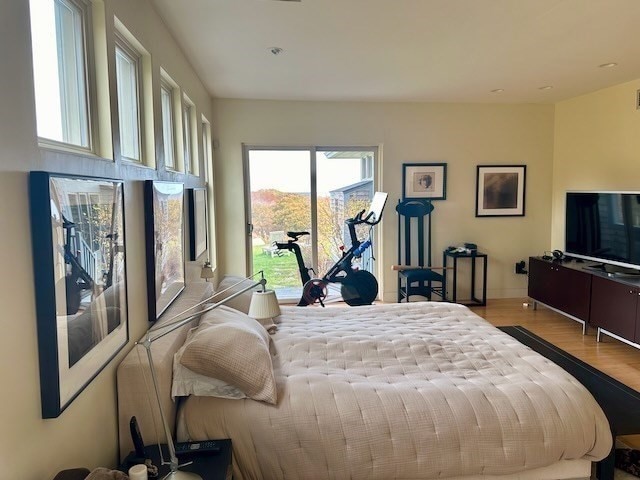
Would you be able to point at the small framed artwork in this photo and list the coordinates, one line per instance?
(165, 245)
(500, 190)
(77, 226)
(424, 181)
(198, 221)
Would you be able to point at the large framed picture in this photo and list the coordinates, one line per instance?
(424, 181)
(500, 190)
(198, 222)
(78, 237)
(164, 234)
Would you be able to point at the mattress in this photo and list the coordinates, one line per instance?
(418, 390)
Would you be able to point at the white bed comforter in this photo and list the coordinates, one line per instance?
(418, 390)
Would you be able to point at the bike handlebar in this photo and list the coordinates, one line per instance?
(357, 219)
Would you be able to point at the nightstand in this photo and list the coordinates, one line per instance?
(473, 256)
(210, 466)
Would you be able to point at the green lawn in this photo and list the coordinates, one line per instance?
(279, 271)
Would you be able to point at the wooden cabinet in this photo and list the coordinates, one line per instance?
(562, 287)
(614, 308)
(543, 285)
(591, 296)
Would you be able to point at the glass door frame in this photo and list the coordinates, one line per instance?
(313, 150)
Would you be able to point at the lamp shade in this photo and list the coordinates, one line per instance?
(207, 271)
(264, 305)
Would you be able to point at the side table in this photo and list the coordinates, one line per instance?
(474, 301)
(210, 466)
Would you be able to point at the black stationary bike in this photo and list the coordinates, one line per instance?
(358, 287)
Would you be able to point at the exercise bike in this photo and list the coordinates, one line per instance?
(358, 287)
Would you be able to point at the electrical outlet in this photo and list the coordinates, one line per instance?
(520, 267)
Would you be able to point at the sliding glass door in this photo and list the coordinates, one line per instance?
(279, 187)
(312, 189)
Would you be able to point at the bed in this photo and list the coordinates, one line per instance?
(419, 390)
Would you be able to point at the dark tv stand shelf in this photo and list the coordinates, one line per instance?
(561, 286)
(590, 295)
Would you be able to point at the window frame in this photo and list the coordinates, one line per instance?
(169, 86)
(189, 128)
(86, 12)
(313, 150)
(207, 157)
(136, 57)
(207, 150)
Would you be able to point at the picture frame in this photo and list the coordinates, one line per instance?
(198, 222)
(426, 181)
(79, 262)
(165, 244)
(500, 190)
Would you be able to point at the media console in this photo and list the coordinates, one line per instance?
(591, 296)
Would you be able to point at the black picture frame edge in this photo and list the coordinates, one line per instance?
(42, 248)
(149, 249)
(191, 201)
(524, 189)
(424, 164)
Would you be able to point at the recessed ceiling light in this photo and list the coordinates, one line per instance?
(276, 50)
(608, 65)
(546, 87)
(497, 90)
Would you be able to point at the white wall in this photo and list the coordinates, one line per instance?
(462, 135)
(597, 147)
(85, 434)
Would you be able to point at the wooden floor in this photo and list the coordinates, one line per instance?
(612, 357)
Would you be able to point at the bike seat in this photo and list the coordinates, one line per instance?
(296, 235)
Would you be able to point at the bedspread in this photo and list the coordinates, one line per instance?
(417, 390)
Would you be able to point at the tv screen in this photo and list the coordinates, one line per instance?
(604, 226)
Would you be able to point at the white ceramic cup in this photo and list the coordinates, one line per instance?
(138, 472)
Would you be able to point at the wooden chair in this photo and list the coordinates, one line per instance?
(414, 242)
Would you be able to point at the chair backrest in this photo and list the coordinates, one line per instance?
(412, 230)
(276, 236)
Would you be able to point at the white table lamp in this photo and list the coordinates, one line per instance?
(207, 271)
(264, 305)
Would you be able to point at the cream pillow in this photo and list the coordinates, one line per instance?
(224, 314)
(231, 347)
(242, 301)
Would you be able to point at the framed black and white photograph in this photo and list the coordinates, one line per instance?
(165, 245)
(78, 238)
(424, 180)
(198, 222)
(500, 190)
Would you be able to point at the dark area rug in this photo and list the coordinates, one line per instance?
(628, 460)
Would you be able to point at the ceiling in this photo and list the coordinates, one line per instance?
(407, 50)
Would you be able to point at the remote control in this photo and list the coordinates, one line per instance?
(136, 437)
(206, 446)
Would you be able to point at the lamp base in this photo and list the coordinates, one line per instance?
(180, 475)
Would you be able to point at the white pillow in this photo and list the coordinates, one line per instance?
(186, 382)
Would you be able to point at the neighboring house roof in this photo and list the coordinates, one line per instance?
(353, 186)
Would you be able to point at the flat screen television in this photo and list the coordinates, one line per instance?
(604, 227)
